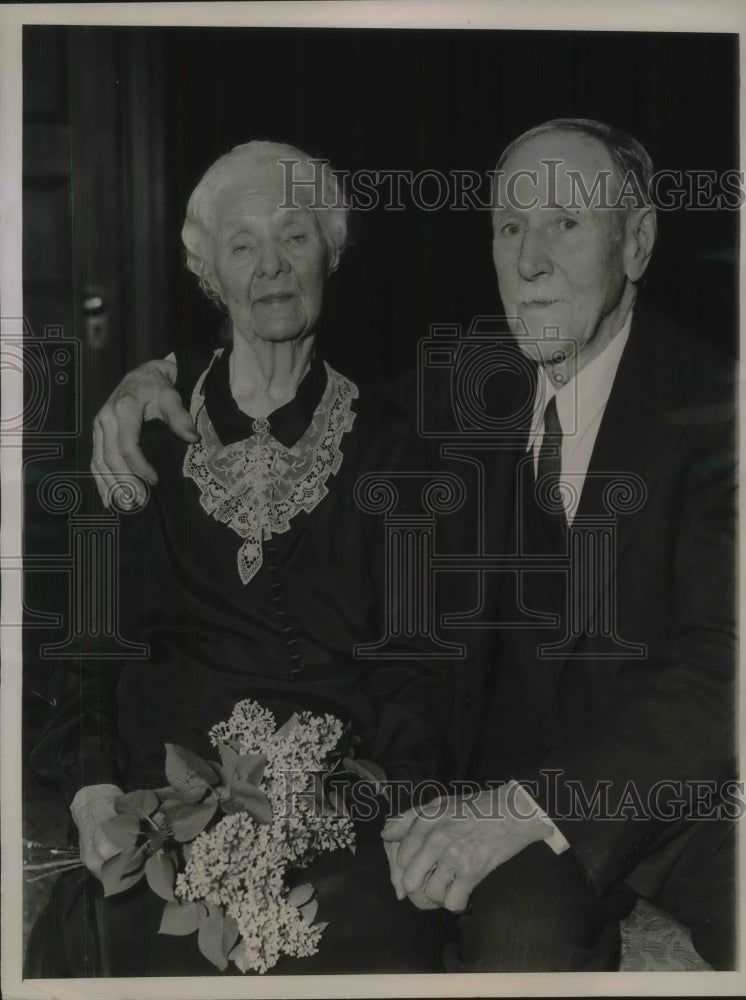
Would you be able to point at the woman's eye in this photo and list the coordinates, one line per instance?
(242, 248)
(567, 224)
(297, 238)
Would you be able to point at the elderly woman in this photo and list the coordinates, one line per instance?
(250, 574)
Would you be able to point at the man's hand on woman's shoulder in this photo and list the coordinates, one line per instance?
(146, 393)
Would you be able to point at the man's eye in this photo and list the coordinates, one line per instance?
(510, 229)
(567, 224)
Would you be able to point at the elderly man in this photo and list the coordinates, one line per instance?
(609, 741)
(618, 724)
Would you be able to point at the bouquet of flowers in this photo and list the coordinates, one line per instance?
(217, 842)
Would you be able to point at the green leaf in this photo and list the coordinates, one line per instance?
(301, 894)
(372, 768)
(337, 803)
(229, 758)
(180, 919)
(223, 775)
(123, 870)
(230, 933)
(250, 767)
(157, 838)
(188, 820)
(287, 728)
(171, 803)
(248, 798)
(142, 803)
(308, 910)
(229, 751)
(239, 956)
(189, 775)
(161, 875)
(122, 830)
(211, 938)
(366, 769)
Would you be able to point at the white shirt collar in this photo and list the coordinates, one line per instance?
(579, 400)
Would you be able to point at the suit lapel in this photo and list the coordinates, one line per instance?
(635, 436)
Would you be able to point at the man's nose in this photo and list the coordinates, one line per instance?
(534, 259)
(271, 261)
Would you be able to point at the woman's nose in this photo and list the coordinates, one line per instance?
(271, 260)
(534, 259)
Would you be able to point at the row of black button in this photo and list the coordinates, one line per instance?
(279, 599)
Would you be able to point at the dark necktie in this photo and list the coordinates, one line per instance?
(548, 473)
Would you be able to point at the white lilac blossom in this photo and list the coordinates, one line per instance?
(240, 864)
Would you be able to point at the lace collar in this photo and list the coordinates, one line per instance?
(258, 484)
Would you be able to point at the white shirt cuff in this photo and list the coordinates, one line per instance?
(556, 839)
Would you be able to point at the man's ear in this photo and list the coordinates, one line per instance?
(640, 231)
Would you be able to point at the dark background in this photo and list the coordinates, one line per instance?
(450, 100)
(120, 123)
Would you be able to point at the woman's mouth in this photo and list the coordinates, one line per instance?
(277, 298)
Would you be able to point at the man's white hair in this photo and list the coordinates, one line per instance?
(631, 160)
(329, 209)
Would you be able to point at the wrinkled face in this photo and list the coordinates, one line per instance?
(561, 263)
(270, 263)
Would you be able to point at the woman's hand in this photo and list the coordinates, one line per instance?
(146, 393)
(90, 807)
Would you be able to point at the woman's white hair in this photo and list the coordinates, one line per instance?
(310, 182)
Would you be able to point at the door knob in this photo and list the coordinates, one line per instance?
(96, 323)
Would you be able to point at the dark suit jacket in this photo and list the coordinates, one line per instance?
(599, 716)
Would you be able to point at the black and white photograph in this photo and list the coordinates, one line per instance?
(369, 440)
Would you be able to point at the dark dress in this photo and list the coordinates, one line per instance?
(227, 618)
